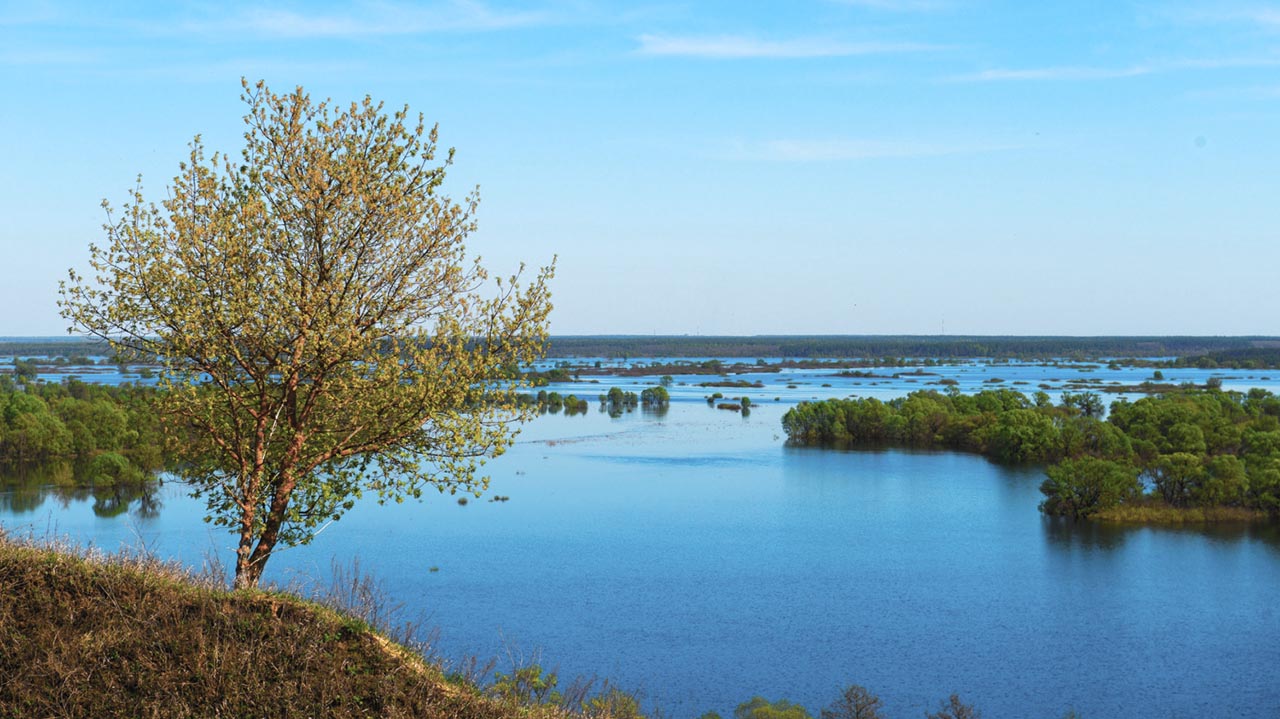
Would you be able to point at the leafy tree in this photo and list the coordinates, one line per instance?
(319, 328)
(1226, 483)
(24, 370)
(1177, 477)
(1082, 487)
(1088, 404)
(1024, 435)
(1185, 437)
(855, 702)
(655, 397)
(109, 469)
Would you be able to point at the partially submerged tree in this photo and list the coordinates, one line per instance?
(321, 328)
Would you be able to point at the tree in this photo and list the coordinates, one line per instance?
(24, 370)
(1088, 404)
(320, 330)
(855, 702)
(1178, 477)
(1081, 487)
(1024, 435)
(655, 397)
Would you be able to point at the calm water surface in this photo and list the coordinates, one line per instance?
(695, 557)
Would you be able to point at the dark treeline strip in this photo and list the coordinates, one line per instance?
(112, 434)
(1195, 454)
(919, 346)
(53, 347)
(1260, 357)
(1229, 352)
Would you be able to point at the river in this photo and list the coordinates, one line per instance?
(693, 556)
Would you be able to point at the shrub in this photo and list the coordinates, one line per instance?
(761, 708)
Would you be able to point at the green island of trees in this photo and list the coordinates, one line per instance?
(107, 434)
(1195, 455)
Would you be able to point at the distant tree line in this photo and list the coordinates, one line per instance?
(1250, 352)
(53, 347)
(1162, 457)
(915, 346)
(1240, 358)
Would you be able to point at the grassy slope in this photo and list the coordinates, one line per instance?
(118, 637)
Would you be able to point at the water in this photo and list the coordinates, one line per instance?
(695, 557)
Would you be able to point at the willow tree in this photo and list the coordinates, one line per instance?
(323, 332)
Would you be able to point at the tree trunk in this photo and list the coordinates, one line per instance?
(244, 552)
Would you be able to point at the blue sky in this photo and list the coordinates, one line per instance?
(809, 166)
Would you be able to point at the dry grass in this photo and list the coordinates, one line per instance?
(90, 635)
(1164, 514)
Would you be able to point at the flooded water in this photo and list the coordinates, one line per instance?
(692, 555)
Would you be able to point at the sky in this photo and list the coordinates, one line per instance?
(722, 167)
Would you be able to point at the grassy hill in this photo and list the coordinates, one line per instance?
(120, 636)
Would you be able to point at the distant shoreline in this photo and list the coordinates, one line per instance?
(812, 346)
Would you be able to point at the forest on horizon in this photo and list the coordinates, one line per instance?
(816, 346)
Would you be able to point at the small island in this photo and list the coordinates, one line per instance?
(1194, 455)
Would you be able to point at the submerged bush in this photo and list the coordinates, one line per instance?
(110, 469)
(1083, 487)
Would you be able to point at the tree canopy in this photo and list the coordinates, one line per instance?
(321, 329)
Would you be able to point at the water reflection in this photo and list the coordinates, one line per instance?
(656, 412)
(1064, 532)
(25, 488)
(1067, 533)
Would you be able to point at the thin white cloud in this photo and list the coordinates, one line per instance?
(1256, 92)
(1109, 73)
(734, 47)
(368, 19)
(846, 150)
(1223, 62)
(1054, 73)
